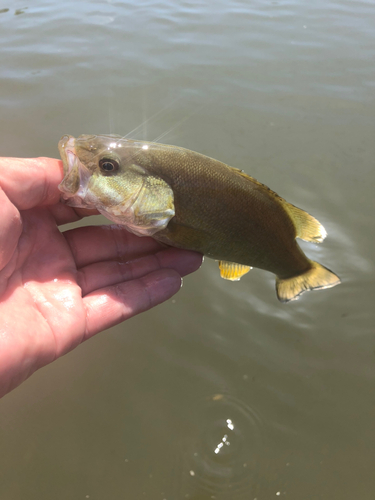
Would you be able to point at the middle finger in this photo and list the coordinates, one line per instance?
(98, 243)
(108, 273)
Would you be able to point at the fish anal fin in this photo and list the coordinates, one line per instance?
(232, 271)
(307, 227)
(316, 278)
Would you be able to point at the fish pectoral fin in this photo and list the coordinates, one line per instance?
(232, 271)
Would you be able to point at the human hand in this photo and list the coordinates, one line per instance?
(59, 289)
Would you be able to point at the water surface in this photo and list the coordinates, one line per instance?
(222, 392)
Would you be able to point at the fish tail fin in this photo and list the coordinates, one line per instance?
(307, 227)
(315, 278)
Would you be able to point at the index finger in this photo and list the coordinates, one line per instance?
(31, 182)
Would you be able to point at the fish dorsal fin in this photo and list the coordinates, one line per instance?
(307, 227)
(257, 183)
(232, 271)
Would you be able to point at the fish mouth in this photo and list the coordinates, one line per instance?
(74, 186)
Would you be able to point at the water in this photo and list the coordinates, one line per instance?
(222, 392)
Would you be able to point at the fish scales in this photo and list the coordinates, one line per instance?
(250, 215)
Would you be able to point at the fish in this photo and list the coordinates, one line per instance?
(188, 200)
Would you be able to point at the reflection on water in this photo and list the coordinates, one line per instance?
(227, 449)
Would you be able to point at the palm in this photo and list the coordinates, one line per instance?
(58, 289)
(44, 297)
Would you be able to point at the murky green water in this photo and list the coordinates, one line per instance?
(223, 392)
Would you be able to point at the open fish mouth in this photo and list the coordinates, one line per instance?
(74, 186)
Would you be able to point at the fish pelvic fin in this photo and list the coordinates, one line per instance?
(316, 278)
(232, 271)
(307, 227)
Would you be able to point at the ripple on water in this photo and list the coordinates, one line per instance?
(227, 453)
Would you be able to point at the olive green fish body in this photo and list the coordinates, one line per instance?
(191, 201)
(208, 219)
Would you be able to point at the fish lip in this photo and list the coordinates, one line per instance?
(73, 168)
(66, 146)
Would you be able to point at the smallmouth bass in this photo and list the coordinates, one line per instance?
(188, 200)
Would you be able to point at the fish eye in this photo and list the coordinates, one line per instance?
(108, 165)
